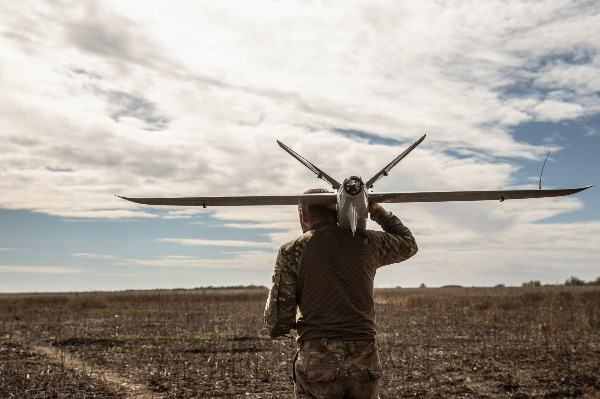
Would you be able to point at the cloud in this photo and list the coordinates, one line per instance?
(217, 243)
(119, 275)
(252, 259)
(510, 256)
(260, 225)
(239, 260)
(129, 105)
(106, 33)
(551, 110)
(94, 256)
(38, 269)
(147, 99)
(155, 103)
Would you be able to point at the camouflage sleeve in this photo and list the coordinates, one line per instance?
(280, 311)
(395, 243)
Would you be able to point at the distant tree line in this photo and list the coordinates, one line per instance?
(232, 287)
(573, 280)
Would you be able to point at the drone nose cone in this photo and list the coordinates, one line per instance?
(353, 185)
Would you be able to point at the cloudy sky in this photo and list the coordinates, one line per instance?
(144, 98)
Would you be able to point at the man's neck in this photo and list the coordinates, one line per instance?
(320, 223)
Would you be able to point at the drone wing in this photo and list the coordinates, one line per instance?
(317, 198)
(444, 196)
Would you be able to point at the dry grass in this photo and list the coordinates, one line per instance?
(535, 342)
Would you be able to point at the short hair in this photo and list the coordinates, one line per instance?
(318, 209)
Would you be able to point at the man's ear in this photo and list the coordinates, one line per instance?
(303, 221)
(302, 215)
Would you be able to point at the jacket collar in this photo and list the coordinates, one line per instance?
(319, 226)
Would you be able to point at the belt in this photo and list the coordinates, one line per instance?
(333, 345)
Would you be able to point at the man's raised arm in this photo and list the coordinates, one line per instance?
(396, 243)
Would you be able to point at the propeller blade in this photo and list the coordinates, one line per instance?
(320, 174)
(444, 196)
(386, 170)
(317, 198)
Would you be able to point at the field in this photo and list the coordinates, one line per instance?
(535, 342)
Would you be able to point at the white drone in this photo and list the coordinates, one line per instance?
(352, 196)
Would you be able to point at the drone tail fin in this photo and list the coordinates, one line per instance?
(320, 174)
(385, 171)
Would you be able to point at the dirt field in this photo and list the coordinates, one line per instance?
(537, 342)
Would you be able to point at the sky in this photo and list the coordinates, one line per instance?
(148, 98)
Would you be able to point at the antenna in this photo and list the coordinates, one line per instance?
(543, 169)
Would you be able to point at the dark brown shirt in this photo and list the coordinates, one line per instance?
(323, 280)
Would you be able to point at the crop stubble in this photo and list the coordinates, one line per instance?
(536, 342)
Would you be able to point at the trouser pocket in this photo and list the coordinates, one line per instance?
(313, 366)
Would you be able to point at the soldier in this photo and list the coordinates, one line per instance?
(323, 288)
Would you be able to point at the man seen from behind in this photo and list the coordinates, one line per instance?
(323, 288)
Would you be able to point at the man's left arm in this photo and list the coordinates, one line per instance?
(280, 311)
(395, 243)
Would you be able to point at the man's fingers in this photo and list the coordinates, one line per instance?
(373, 207)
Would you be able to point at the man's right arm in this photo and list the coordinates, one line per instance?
(280, 310)
(396, 243)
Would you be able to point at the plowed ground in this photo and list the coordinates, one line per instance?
(538, 342)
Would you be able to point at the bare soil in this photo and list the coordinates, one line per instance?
(535, 342)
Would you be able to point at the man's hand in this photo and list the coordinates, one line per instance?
(374, 207)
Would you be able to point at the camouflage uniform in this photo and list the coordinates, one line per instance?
(337, 369)
(337, 354)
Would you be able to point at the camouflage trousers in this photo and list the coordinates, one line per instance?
(330, 369)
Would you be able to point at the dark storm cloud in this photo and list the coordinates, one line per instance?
(129, 105)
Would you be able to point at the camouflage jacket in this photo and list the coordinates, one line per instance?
(394, 244)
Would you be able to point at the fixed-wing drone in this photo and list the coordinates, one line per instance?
(352, 196)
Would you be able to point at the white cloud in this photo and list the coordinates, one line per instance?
(216, 243)
(88, 255)
(142, 98)
(246, 259)
(190, 102)
(549, 253)
(241, 260)
(120, 275)
(550, 110)
(38, 269)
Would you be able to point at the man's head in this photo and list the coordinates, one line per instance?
(316, 213)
